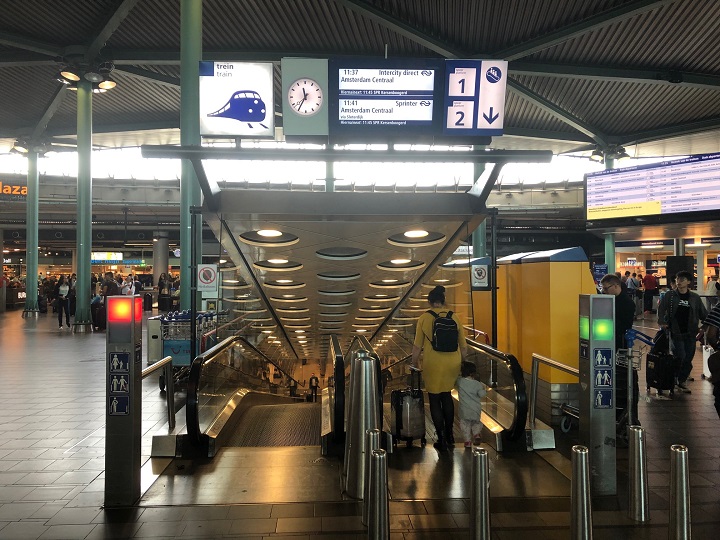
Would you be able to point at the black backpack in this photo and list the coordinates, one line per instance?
(444, 333)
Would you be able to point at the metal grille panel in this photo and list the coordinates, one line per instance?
(279, 425)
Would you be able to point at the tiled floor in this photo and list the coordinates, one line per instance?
(52, 464)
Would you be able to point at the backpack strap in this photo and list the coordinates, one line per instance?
(431, 312)
(449, 314)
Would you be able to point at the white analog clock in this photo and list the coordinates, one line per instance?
(305, 97)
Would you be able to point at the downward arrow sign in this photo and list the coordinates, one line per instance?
(490, 119)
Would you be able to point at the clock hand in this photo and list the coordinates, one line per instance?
(303, 99)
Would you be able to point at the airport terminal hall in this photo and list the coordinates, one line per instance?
(360, 269)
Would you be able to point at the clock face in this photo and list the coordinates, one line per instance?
(305, 97)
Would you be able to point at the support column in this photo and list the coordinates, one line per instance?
(679, 247)
(160, 255)
(31, 236)
(610, 252)
(74, 261)
(329, 177)
(84, 206)
(479, 235)
(190, 195)
(700, 262)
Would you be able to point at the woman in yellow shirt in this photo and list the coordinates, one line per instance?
(440, 369)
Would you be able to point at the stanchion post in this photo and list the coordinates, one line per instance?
(480, 496)
(170, 394)
(379, 512)
(372, 442)
(638, 476)
(679, 525)
(580, 503)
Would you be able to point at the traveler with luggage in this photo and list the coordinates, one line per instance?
(470, 392)
(680, 313)
(712, 338)
(438, 334)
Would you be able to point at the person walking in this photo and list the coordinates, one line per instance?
(470, 392)
(314, 385)
(650, 285)
(680, 312)
(62, 292)
(440, 367)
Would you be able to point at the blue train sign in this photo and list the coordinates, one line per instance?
(236, 99)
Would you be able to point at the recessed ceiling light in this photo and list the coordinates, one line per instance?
(299, 331)
(284, 280)
(390, 280)
(400, 261)
(269, 233)
(277, 261)
(418, 233)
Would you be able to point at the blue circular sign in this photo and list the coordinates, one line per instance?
(493, 74)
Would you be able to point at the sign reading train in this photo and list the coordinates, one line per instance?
(236, 99)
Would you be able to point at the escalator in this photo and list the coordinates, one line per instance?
(278, 425)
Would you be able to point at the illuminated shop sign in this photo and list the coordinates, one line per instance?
(12, 192)
(105, 257)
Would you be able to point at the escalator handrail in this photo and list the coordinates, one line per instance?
(398, 362)
(193, 386)
(338, 388)
(517, 429)
(192, 419)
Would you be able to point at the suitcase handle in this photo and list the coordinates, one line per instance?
(415, 378)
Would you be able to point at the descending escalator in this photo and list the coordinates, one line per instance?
(278, 425)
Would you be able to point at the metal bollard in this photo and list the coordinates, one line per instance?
(580, 503)
(379, 512)
(372, 442)
(480, 495)
(170, 394)
(365, 415)
(679, 525)
(638, 476)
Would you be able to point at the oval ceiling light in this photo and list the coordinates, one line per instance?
(292, 309)
(445, 283)
(241, 310)
(361, 318)
(331, 305)
(268, 238)
(294, 326)
(295, 319)
(338, 275)
(338, 314)
(288, 298)
(381, 298)
(337, 293)
(277, 265)
(375, 309)
(389, 284)
(283, 284)
(341, 253)
(403, 319)
(398, 325)
(416, 238)
(400, 265)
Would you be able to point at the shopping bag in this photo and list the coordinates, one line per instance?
(707, 350)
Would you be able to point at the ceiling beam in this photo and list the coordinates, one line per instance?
(667, 132)
(28, 44)
(394, 156)
(113, 128)
(607, 73)
(50, 110)
(25, 58)
(573, 137)
(557, 112)
(148, 75)
(612, 16)
(401, 27)
(111, 25)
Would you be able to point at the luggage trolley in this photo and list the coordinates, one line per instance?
(176, 331)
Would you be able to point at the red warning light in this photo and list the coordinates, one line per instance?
(138, 308)
(119, 309)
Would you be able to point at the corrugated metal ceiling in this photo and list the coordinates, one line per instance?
(542, 38)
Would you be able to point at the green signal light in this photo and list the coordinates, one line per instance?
(603, 329)
(584, 328)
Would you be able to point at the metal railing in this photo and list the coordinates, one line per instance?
(517, 394)
(166, 365)
(538, 359)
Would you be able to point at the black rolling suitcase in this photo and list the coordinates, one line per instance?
(407, 412)
(660, 364)
(98, 316)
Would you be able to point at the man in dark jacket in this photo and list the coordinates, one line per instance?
(680, 312)
(624, 315)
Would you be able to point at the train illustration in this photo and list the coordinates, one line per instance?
(244, 106)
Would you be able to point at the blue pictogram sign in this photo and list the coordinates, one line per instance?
(119, 405)
(603, 399)
(602, 357)
(119, 362)
(244, 106)
(603, 378)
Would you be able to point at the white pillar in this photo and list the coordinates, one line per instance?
(160, 255)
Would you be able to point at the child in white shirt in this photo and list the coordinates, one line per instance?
(470, 391)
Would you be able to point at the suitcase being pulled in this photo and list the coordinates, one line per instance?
(660, 365)
(407, 416)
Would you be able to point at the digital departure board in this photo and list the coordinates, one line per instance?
(662, 189)
(390, 98)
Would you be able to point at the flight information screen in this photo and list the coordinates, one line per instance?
(690, 184)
